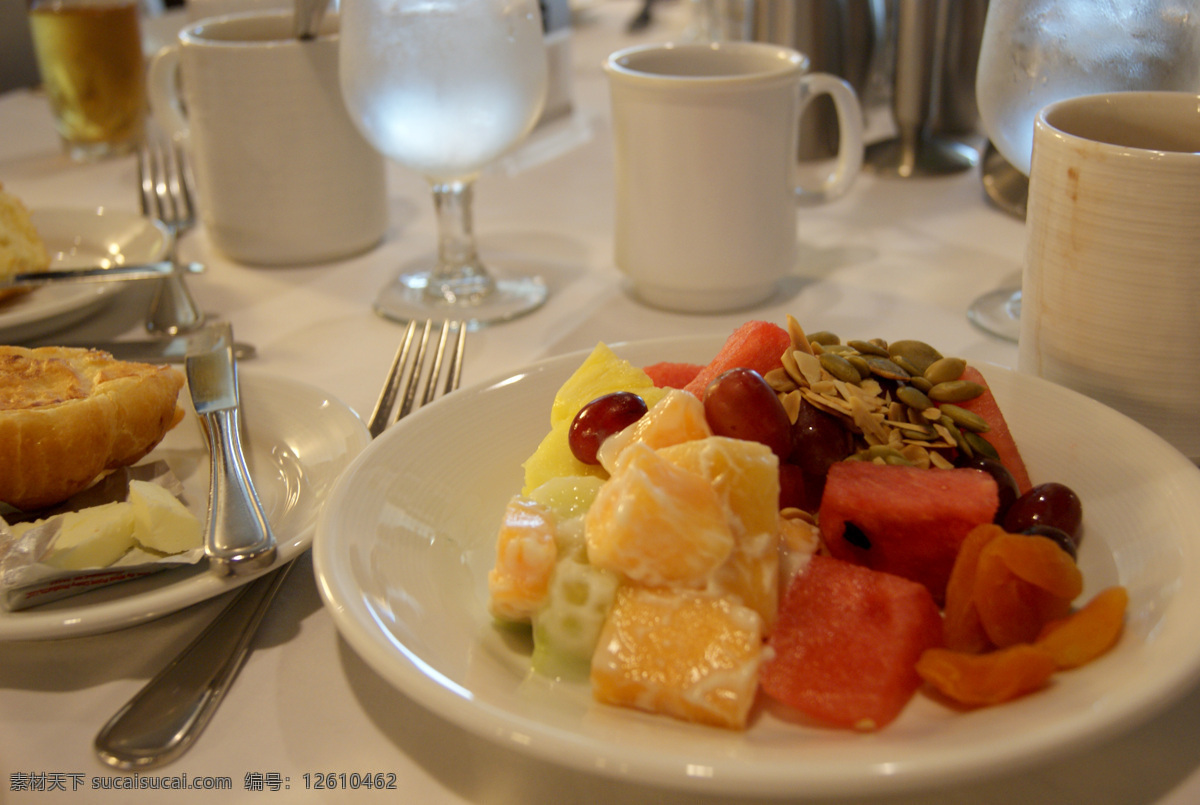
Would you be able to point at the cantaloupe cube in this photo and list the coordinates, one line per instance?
(680, 653)
(526, 553)
(746, 478)
(678, 417)
(657, 523)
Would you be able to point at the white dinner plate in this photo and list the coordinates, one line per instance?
(299, 439)
(405, 541)
(80, 239)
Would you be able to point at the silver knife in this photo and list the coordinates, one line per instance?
(57, 276)
(238, 538)
(150, 350)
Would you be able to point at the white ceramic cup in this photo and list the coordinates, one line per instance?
(706, 145)
(283, 177)
(1111, 287)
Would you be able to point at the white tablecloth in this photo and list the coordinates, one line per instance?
(893, 258)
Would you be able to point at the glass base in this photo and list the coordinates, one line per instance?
(1005, 186)
(930, 156)
(406, 299)
(998, 313)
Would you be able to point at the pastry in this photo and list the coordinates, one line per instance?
(67, 415)
(21, 248)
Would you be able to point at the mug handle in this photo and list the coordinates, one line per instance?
(850, 136)
(163, 87)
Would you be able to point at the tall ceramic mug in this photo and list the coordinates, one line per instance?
(706, 143)
(283, 177)
(1111, 285)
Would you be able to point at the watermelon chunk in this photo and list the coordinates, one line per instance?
(903, 520)
(998, 434)
(672, 375)
(755, 345)
(847, 643)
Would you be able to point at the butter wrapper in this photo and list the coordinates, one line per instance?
(27, 581)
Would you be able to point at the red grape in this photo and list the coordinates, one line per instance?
(601, 418)
(741, 405)
(819, 440)
(1049, 504)
(1006, 485)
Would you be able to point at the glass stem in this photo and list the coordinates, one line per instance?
(459, 276)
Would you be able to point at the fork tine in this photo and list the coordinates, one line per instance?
(409, 373)
(180, 185)
(145, 168)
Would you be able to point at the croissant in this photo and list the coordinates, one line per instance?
(21, 247)
(67, 415)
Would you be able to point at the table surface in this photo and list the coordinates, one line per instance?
(893, 258)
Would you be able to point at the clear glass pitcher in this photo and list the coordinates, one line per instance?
(1035, 52)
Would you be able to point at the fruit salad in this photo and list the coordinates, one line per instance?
(835, 526)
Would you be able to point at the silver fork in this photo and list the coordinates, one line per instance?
(165, 192)
(165, 717)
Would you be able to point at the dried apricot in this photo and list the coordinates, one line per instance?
(978, 680)
(961, 627)
(1088, 632)
(1021, 584)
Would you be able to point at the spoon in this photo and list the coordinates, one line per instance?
(308, 16)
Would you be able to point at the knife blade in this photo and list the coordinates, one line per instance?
(143, 271)
(237, 538)
(150, 350)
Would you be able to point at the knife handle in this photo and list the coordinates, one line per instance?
(239, 539)
(169, 713)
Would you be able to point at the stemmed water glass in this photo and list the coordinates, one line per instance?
(1035, 52)
(445, 87)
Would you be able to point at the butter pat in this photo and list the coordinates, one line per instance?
(161, 522)
(94, 537)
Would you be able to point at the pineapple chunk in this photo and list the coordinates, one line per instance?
(746, 478)
(680, 653)
(161, 522)
(601, 373)
(657, 523)
(525, 556)
(94, 537)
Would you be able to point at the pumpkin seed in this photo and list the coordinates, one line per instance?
(824, 338)
(868, 348)
(920, 383)
(955, 391)
(981, 445)
(885, 368)
(839, 367)
(906, 365)
(968, 420)
(858, 362)
(918, 353)
(944, 370)
(913, 397)
(956, 434)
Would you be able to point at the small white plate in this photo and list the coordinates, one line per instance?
(405, 541)
(299, 439)
(80, 239)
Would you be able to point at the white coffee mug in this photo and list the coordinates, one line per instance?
(283, 177)
(1111, 286)
(707, 175)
